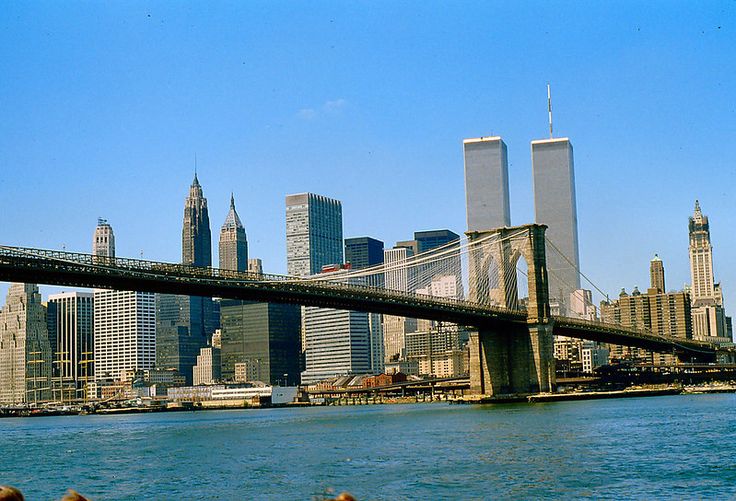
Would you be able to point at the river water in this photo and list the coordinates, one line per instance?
(673, 447)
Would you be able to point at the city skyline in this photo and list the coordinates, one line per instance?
(638, 141)
(48, 290)
(379, 241)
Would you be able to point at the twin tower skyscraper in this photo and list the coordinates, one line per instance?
(488, 203)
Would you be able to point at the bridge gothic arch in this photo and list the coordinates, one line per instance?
(511, 360)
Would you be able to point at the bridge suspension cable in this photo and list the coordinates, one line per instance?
(440, 272)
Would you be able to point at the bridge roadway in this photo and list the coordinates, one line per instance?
(20, 264)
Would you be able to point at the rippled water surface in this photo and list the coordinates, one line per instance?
(673, 447)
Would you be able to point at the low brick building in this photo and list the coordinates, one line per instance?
(384, 380)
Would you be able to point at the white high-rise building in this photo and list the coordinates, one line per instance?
(555, 205)
(125, 332)
(438, 346)
(486, 183)
(581, 305)
(335, 342)
(124, 325)
(441, 286)
(709, 318)
(313, 233)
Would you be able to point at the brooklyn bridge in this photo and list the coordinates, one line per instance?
(511, 339)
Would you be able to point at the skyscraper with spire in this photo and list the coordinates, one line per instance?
(233, 242)
(703, 288)
(709, 319)
(184, 323)
(555, 205)
(196, 240)
(259, 339)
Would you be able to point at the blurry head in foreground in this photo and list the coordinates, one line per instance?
(73, 495)
(8, 493)
(344, 496)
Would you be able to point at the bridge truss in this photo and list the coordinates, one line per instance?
(442, 284)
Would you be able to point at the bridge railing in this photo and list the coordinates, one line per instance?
(117, 266)
(635, 332)
(606, 325)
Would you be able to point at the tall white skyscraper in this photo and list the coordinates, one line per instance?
(313, 233)
(124, 325)
(335, 342)
(555, 206)
(703, 288)
(709, 318)
(486, 183)
(125, 332)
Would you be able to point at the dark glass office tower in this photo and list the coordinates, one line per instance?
(428, 240)
(432, 239)
(362, 252)
(261, 341)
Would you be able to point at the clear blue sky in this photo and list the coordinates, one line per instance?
(104, 105)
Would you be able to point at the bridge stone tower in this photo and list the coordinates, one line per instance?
(511, 360)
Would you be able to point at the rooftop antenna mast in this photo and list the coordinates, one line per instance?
(549, 109)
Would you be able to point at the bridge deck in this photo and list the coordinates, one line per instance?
(85, 270)
(616, 334)
(18, 264)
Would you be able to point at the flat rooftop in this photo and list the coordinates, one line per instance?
(482, 139)
(552, 140)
